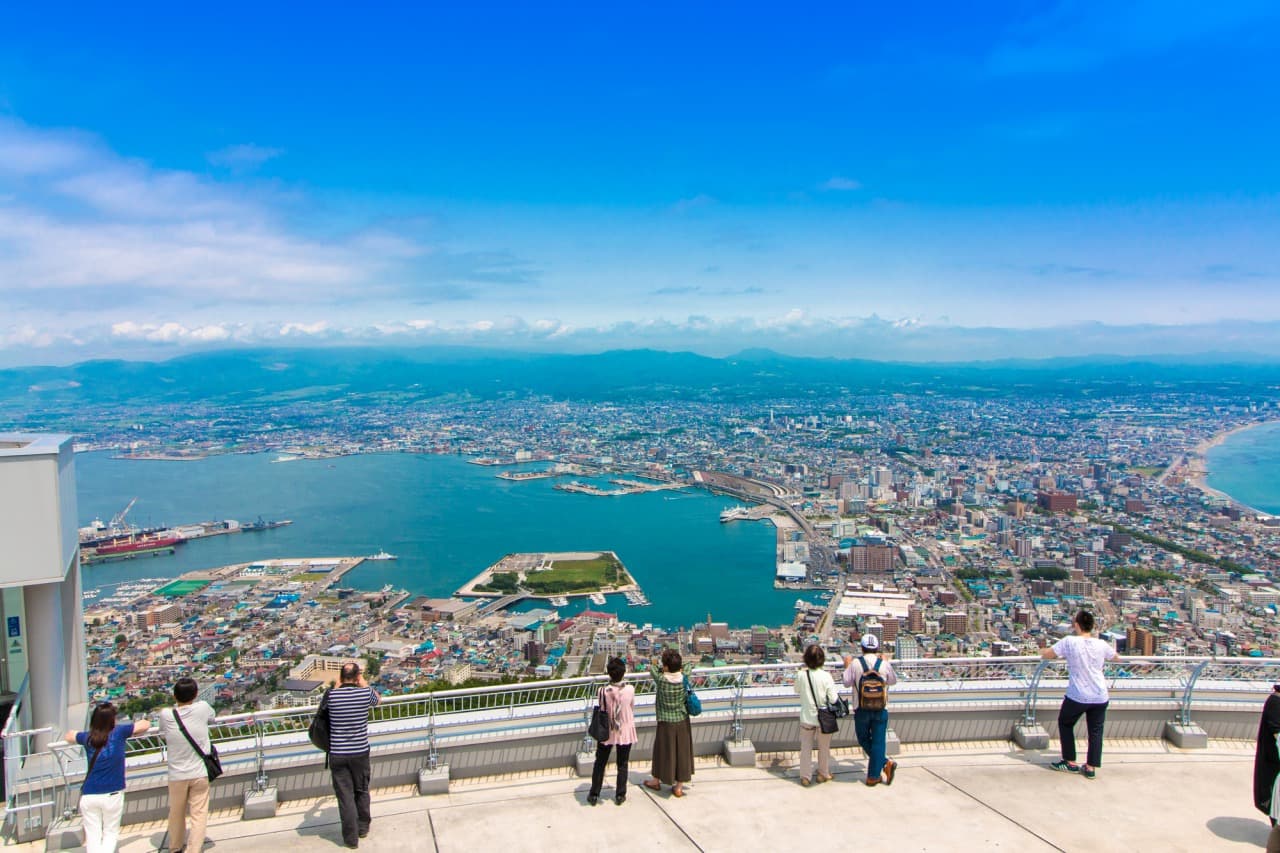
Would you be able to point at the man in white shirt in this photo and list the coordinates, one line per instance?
(1086, 692)
(188, 778)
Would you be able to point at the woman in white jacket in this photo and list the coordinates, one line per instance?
(816, 689)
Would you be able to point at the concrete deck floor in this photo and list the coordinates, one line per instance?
(1148, 796)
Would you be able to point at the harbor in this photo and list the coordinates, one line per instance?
(625, 487)
(556, 577)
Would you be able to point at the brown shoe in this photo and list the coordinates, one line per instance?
(871, 783)
(825, 777)
(886, 774)
(806, 781)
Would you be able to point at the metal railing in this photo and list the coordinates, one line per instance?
(731, 696)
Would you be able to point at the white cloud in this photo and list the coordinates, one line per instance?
(694, 202)
(244, 157)
(79, 219)
(839, 184)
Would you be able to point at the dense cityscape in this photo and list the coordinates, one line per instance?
(946, 526)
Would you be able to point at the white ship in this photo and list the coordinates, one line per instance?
(382, 555)
(598, 599)
(733, 513)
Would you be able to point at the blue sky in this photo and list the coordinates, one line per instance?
(915, 180)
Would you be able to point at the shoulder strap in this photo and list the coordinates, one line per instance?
(814, 693)
(876, 668)
(92, 758)
(177, 718)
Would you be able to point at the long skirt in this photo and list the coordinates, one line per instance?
(673, 752)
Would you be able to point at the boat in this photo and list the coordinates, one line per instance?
(386, 589)
(733, 513)
(598, 598)
(262, 524)
(382, 555)
(134, 544)
(559, 601)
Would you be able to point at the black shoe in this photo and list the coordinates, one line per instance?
(364, 833)
(593, 799)
(620, 799)
(352, 846)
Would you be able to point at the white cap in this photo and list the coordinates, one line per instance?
(870, 642)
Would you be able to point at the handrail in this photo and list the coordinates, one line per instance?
(255, 743)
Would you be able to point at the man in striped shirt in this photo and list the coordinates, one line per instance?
(349, 705)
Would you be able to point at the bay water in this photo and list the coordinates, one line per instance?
(1247, 467)
(446, 520)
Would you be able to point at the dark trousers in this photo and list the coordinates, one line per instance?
(1095, 715)
(351, 785)
(602, 758)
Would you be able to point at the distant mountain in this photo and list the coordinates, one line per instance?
(271, 375)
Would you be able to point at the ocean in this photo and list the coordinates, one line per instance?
(1247, 467)
(446, 520)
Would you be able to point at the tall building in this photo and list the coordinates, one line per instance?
(1087, 562)
(40, 581)
(871, 559)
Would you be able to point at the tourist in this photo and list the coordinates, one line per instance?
(181, 725)
(102, 794)
(349, 705)
(816, 689)
(870, 674)
(618, 701)
(1086, 692)
(673, 742)
(1266, 761)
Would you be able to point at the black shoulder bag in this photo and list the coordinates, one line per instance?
(212, 763)
(827, 722)
(599, 728)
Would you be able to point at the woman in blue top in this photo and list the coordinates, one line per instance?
(102, 795)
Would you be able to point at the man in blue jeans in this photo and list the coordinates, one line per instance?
(871, 714)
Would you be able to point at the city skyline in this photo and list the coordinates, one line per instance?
(1039, 180)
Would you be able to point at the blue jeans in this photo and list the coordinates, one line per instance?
(871, 727)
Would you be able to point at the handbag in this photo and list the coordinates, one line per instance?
(827, 722)
(212, 763)
(599, 727)
(692, 704)
(318, 731)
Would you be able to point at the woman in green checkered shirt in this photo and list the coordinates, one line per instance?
(673, 743)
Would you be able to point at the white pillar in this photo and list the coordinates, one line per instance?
(48, 697)
(73, 643)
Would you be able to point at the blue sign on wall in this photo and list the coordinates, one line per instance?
(15, 626)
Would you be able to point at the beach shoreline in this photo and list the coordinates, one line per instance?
(1195, 467)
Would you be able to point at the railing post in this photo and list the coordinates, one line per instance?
(433, 757)
(1033, 694)
(1184, 713)
(1029, 734)
(261, 801)
(738, 751)
(737, 706)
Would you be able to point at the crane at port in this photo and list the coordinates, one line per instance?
(117, 520)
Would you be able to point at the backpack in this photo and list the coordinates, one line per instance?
(873, 692)
(318, 732)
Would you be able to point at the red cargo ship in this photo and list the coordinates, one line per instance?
(130, 544)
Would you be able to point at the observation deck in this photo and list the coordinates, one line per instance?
(974, 738)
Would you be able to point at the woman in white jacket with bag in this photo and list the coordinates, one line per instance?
(816, 689)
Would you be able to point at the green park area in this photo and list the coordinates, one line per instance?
(177, 589)
(596, 574)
